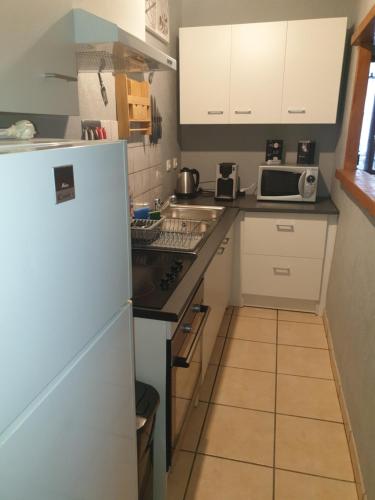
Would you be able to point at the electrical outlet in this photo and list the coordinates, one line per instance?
(168, 165)
(175, 163)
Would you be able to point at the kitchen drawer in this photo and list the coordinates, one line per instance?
(288, 277)
(289, 236)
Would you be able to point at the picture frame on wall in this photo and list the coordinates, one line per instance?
(157, 19)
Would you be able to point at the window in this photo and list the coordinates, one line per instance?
(359, 164)
(366, 159)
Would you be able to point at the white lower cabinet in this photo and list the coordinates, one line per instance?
(216, 294)
(285, 260)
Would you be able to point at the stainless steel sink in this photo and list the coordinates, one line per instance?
(193, 212)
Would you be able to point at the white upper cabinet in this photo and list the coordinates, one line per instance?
(37, 38)
(313, 64)
(257, 68)
(278, 72)
(204, 74)
(127, 14)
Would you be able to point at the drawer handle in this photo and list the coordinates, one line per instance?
(285, 228)
(248, 112)
(296, 111)
(215, 112)
(220, 251)
(281, 271)
(225, 241)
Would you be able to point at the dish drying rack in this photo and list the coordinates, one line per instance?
(174, 234)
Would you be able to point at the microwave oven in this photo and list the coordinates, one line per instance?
(287, 183)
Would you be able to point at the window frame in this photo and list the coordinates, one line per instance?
(359, 183)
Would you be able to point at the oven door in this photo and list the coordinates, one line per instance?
(281, 183)
(185, 371)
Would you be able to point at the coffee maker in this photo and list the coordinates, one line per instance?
(226, 181)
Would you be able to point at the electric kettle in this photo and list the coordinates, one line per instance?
(187, 183)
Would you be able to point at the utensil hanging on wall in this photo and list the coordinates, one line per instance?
(103, 90)
(156, 119)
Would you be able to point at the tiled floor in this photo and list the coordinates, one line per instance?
(268, 425)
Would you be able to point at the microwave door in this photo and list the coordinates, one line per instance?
(280, 185)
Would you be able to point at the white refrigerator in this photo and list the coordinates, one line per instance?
(67, 402)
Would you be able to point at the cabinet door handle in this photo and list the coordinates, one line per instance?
(185, 362)
(215, 112)
(59, 76)
(225, 241)
(285, 228)
(281, 271)
(220, 251)
(296, 111)
(248, 112)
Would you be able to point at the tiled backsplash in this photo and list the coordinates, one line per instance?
(146, 174)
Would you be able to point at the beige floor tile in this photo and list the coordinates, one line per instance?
(293, 486)
(313, 447)
(224, 325)
(300, 317)
(302, 334)
(208, 383)
(249, 355)
(258, 329)
(217, 479)
(255, 312)
(245, 388)
(308, 397)
(238, 434)
(194, 427)
(304, 361)
(179, 477)
(217, 350)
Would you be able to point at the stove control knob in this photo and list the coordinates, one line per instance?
(178, 263)
(186, 327)
(164, 284)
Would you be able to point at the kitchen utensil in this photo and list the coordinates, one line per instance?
(103, 90)
(187, 183)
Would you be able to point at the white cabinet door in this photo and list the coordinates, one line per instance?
(127, 14)
(314, 55)
(204, 74)
(37, 38)
(257, 68)
(216, 294)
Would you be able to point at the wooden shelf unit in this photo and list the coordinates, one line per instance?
(133, 106)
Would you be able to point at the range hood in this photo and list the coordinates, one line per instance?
(103, 46)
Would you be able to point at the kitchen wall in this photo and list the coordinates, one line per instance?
(351, 303)
(204, 146)
(148, 178)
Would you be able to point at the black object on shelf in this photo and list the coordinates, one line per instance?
(306, 153)
(274, 151)
(147, 402)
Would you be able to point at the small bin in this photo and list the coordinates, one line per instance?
(147, 402)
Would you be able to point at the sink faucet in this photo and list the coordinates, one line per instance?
(161, 206)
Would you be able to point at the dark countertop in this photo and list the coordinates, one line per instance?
(178, 301)
(250, 203)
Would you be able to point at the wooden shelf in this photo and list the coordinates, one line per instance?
(133, 105)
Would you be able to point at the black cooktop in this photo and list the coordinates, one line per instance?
(156, 275)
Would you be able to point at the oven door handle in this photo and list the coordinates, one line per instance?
(185, 362)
